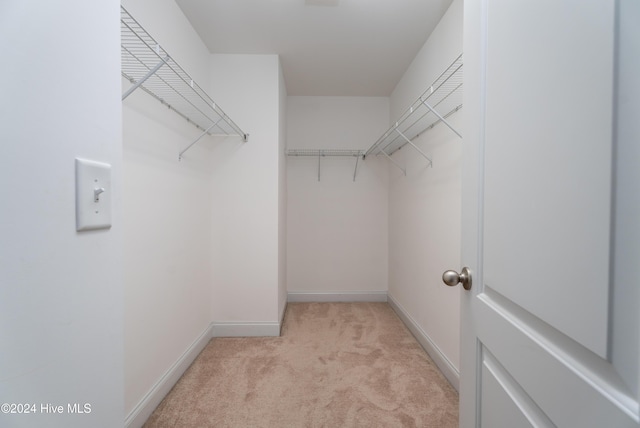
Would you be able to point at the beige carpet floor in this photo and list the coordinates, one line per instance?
(335, 365)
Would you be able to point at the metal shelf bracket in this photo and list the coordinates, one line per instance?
(415, 147)
(440, 117)
(404, 171)
(206, 131)
(355, 170)
(146, 76)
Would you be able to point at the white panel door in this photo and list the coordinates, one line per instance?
(550, 325)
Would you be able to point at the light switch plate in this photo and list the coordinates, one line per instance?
(93, 195)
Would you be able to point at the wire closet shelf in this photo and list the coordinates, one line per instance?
(442, 99)
(148, 66)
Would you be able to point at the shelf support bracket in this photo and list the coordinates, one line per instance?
(415, 147)
(404, 171)
(440, 117)
(319, 154)
(355, 171)
(206, 131)
(146, 76)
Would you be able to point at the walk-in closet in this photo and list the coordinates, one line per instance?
(244, 197)
(319, 213)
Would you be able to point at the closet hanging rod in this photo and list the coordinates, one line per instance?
(149, 67)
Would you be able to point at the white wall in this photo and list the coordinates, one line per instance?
(246, 197)
(167, 221)
(60, 291)
(337, 228)
(424, 206)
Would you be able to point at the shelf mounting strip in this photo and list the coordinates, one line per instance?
(444, 95)
(320, 153)
(149, 67)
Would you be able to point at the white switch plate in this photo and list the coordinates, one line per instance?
(93, 195)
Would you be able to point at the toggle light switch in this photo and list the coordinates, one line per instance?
(96, 194)
(93, 195)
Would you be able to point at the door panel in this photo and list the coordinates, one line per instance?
(510, 415)
(504, 403)
(549, 328)
(546, 132)
(569, 383)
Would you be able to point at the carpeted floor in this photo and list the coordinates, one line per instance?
(335, 365)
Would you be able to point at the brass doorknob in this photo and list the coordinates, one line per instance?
(452, 278)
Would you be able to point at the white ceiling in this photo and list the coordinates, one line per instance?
(326, 47)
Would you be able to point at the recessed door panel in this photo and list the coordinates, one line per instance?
(548, 162)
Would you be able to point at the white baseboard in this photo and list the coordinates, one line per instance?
(152, 399)
(446, 367)
(246, 329)
(351, 296)
(249, 329)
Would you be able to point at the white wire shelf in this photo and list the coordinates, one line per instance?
(320, 153)
(442, 99)
(149, 67)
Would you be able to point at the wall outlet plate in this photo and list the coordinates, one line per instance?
(93, 195)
